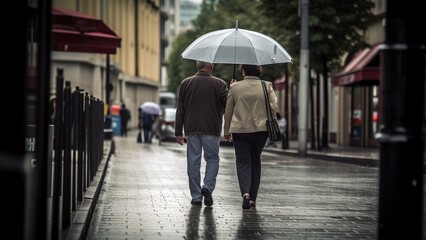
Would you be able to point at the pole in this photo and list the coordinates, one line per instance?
(40, 180)
(108, 85)
(304, 79)
(400, 137)
(287, 92)
(318, 112)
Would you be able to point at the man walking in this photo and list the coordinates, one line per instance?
(124, 118)
(147, 121)
(201, 104)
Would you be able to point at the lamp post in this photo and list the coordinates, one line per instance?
(400, 137)
(304, 80)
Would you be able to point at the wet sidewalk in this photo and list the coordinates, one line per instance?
(145, 196)
(352, 155)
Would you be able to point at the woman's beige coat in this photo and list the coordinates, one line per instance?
(245, 110)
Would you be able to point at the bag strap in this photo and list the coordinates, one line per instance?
(268, 107)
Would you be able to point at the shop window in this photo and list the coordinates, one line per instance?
(356, 119)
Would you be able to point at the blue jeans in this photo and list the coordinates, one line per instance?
(195, 145)
(147, 133)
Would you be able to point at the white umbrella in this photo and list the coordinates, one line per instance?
(236, 46)
(151, 108)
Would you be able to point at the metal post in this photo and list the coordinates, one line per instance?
(66, 199)
(75, 128)
(318, 112)
(43, 88)
(286, 138)
(80, 146)
(92, 126)
(304, 80)
(312, 108)
(401, 142)
(86, 141)
(325, 89)
(57, 173)
(108, 83)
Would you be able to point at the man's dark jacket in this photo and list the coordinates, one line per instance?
(201, 104)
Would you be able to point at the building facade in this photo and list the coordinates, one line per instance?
(169, 30)
(134, 71)
(188, 11)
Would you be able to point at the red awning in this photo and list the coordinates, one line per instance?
(76, 32)
(364, 68)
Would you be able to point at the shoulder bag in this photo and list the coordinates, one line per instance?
(271, 123)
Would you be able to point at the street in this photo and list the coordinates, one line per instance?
(145, 196)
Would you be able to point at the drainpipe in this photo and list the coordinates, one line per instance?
(136, 38)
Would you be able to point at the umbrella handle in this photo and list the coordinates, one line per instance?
(234, 72)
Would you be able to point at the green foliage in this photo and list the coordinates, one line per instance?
(216, 15)
(335, 27)
(180, 68)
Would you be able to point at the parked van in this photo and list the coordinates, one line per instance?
(167, 100)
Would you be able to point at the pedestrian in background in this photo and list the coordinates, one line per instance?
(125, 117)
(139, 134)
(201, 102)
(147, 121)
(245, 125)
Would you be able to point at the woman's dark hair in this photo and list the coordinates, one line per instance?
(252, 70)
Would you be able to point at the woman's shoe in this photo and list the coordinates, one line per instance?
(246, 201)
(252, 204)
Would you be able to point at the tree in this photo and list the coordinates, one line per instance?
(215, 15)
(335, 27)
(179, 68)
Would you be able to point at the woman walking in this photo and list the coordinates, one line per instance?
(245, 119)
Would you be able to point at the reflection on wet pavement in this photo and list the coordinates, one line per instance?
(146, 196)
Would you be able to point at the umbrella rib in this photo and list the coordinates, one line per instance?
(223, 39)
(251, 44)
(235, 45)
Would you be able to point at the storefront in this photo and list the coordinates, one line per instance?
(361, 113)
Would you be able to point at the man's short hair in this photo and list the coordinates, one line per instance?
(201, 64)
(252, 70)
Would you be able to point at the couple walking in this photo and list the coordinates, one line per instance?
(202, 101)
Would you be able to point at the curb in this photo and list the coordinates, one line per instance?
(83, 216)
(334, 157)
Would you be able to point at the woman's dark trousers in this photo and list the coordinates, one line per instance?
(248, 148)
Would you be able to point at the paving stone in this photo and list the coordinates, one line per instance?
(145, 195)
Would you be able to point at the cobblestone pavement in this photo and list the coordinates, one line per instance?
(145, 195)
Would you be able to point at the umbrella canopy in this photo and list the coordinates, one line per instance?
(151, 108)
(236, 46)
